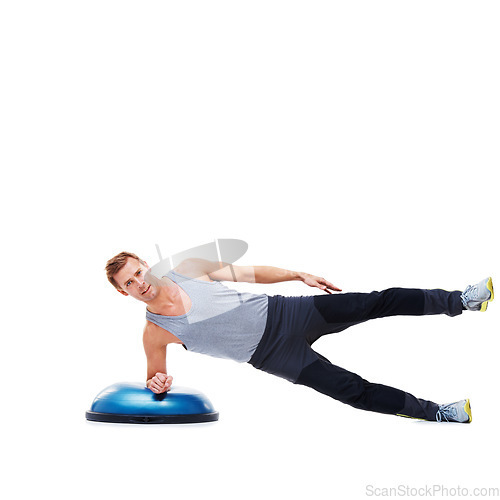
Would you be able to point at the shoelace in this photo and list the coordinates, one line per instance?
(446, 412)
(470, 293)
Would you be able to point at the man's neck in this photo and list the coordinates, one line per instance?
(168, 297)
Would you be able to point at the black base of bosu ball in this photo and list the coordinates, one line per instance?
(134, 403)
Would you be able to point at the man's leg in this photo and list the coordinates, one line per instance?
(295, 322)
(351, 389)
(344, 310)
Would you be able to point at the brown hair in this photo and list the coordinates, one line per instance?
(116, 263)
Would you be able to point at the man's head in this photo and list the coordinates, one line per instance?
(126, 272)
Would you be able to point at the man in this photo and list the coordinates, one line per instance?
(190, 306)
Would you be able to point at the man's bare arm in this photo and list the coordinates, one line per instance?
(222, 271)
(268, 274)
(156, 353)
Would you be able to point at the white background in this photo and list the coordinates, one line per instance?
(357, 141)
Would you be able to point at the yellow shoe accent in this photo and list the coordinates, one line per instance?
(490, 288)
(468, 410)
(489, 285)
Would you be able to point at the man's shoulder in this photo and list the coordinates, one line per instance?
(151, 327)
(156, 335)
(151, 330)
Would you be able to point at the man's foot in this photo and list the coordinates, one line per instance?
(455, 412)
(476, 297)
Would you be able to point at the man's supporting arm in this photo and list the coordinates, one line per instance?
(156, 353)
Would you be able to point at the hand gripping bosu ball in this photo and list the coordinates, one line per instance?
(134, 403)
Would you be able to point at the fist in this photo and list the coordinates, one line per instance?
(161, 382)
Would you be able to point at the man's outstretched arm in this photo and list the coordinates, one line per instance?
(269, 274)
(222, 271)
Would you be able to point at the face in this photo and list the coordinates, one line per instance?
(131, 280)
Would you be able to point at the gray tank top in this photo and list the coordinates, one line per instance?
(221, 322)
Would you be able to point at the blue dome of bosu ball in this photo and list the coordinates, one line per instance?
(134, 403)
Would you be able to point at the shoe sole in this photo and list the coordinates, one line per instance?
(489, 286)
(467, 409)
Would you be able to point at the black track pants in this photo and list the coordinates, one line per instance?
(295, 323)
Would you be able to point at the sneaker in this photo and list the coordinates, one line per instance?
(476, 297)
(455, 412)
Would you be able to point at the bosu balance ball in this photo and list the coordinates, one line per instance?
(134, 403)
